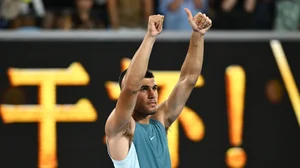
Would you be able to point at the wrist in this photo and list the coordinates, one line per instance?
(197, 34)
(149, 36)
(196, 38)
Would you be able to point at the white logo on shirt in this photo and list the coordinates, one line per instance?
(152, 137)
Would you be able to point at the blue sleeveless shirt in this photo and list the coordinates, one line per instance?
(149, 148)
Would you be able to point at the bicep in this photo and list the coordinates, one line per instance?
(122, 114)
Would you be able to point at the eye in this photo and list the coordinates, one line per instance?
(154, 88)
(143, 89)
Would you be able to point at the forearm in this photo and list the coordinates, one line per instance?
(193, 62)
(139, 64)
(113, 13)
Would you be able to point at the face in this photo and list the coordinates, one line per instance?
(84, 4)
(147, 97)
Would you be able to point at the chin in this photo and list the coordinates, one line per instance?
(151, 112)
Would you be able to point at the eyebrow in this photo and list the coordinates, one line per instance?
(143, 86)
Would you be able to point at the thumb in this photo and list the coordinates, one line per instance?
(188, 13)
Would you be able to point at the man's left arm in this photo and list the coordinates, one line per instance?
(169, 110)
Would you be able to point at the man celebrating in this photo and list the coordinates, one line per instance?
(136, 130)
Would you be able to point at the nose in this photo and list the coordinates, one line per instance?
(151, 94)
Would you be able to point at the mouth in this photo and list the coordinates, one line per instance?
(152, 103)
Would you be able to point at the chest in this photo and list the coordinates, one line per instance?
(151, 138)
(151, 146)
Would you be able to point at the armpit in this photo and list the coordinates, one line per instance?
(128, 131)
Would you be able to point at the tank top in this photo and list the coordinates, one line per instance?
(149, 148)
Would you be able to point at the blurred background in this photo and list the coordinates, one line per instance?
(60, 61)
(34, 15)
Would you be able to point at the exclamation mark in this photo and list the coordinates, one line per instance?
(235, 89)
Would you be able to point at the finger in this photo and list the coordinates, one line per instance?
(210, 22)
(203, 21)
(207, 24)
(162, 23)
(156, 24)
(189, 13)
(159, 18)
(160, 27)
(198, 18)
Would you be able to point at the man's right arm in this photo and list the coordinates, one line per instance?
(131, 84)
(132, 81)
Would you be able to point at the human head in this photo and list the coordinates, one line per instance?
(147, 95)
(148, 74)
(84, 5)
(274, 91)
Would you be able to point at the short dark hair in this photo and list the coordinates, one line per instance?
(148, 74)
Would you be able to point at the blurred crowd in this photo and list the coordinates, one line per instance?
(34, 15)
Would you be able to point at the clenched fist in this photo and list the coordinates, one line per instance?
(155, 25)
(200, 22)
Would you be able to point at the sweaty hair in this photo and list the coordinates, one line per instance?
(148, 74)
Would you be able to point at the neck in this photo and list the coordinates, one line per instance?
(141, 118)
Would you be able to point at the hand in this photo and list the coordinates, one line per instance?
(155, 25)
(199, 23)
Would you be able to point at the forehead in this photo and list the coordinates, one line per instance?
(149, 81)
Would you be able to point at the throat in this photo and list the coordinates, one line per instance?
(141, 118)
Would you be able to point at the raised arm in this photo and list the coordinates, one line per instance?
(122, 114)
(112, 7)
(190, 71)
